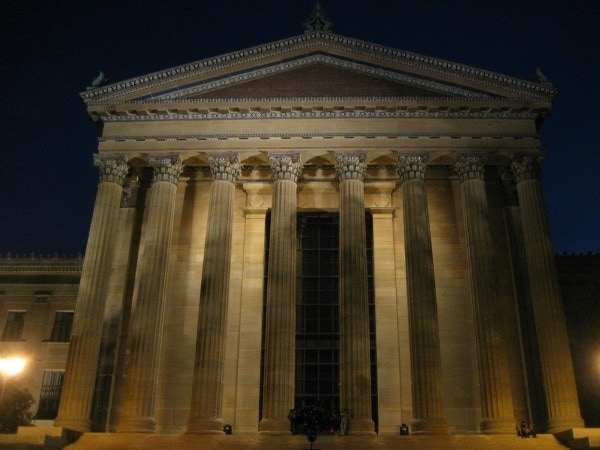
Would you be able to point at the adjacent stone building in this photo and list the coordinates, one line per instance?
(319, 219)
(38, 295)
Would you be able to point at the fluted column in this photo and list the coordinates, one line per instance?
(145, 330)
(497, 414)
(207, 391)
(355, 367)
(82, 360)
(280, 333)
(425, 356)
(553, 342)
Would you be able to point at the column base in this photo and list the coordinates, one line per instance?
(205, 426)
(136, 425)
(429, 426)
(558, 424)
(274, 426)
(73, 423)
(361, 427)
(498, 426)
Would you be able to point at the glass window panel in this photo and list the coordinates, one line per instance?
(13, 330)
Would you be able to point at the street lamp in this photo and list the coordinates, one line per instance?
(9, 367)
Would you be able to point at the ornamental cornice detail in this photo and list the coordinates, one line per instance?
(328, 41)
(405, 112)
(236, 78)
(266, 136)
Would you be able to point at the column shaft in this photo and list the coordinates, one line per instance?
(146, 324)
(280, 333)
(553, 342)
(426, 362)
(355, 366)
(82, 360)
(496, 397)
(207, 392)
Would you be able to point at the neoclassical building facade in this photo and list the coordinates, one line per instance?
(319, 219)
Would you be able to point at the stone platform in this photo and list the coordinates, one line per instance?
(114, 441)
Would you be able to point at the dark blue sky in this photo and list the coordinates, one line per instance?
(51, 50)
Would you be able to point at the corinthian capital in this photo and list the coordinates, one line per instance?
(166, 168)
(113, 169)
(285, 166)
(224, 167)
(412, 167)
(526, 167)
(350, 166)
(470, 167)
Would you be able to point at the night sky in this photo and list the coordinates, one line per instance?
(51, 50)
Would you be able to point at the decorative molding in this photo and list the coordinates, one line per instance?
(412, 167)
(350, 166)
(470, 167)
(242, 136)
(33, 258)
(324, 41)
(526, 167)
(112, 169)
(285, 166)
(166, 168)
(414, 110)
(280, 67)
(224, 167)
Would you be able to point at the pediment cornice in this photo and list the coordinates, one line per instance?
(443, 76)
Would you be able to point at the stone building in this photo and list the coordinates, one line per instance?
(319, 219)
(579, 278)
(37, 303)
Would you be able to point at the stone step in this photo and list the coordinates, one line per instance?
(102, 441)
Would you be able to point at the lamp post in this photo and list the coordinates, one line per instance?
(8, 368)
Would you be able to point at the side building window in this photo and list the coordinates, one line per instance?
(63, 322)
(50, 395)
(13, 329)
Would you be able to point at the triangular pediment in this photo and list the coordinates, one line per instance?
(318, 64)
(319, 79)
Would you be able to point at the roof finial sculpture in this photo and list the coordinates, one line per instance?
(539, 77)
(98, 81)
(317, 21)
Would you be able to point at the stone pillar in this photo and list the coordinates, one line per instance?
(207, 390)
(280, 333)
(553, 342)
(137, 415)
(355, 367)
(82, 360)
(497, 414)
(425, 356)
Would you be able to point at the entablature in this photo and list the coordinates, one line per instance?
(319, 108)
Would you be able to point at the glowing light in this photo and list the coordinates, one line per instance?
(11, 366)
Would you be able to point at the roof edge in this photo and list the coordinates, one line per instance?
(327, 39)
